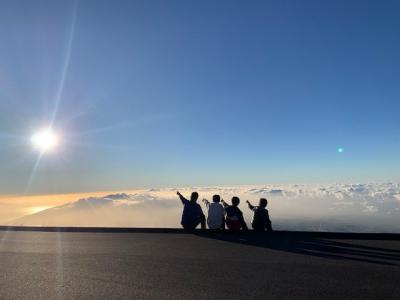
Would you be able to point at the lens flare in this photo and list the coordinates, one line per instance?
(45, 140)
(340, 150)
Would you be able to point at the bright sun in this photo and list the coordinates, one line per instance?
(45, 140)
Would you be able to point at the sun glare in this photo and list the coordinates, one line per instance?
(45, 140)
(36, 209)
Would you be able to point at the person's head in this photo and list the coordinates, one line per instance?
(263, 202)
(194, 196)
(216, 198)
(235, 201)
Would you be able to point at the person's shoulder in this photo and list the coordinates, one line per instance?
(215, 205)
(220, 207)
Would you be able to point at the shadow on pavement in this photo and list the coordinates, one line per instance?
(314, 246)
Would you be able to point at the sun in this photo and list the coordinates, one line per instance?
(45, 140)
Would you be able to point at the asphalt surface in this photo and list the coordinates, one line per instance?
(134, 265)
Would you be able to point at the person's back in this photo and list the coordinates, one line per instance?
(261, 219)
(234, 216)
(216, 213)
(192, 214)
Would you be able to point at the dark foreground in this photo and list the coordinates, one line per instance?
(172, 265)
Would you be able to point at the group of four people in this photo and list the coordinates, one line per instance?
(221, 213)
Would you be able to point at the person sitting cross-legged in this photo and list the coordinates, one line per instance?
(192, 214)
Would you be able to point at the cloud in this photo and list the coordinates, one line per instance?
(331, 207)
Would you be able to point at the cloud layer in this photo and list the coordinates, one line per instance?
(324, 207)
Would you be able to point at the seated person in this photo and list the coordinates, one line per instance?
(216, 213)
(192, 213)
(261, 219)
(234, 216)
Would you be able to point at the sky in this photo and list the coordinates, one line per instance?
(179, 93)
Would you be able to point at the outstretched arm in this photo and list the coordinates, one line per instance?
(224, 203)
(206, 202)
(250, 206)
(183, 199)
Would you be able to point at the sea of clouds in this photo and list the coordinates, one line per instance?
(358, 207)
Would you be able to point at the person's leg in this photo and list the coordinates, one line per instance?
(199, 220)
(188, 228)
(269, 226)
(257, 227)
(203, 222)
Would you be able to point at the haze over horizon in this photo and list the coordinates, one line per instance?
(315, 207)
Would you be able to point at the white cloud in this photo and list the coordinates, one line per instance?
(344, 207)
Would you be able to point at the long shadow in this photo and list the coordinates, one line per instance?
(309, 245)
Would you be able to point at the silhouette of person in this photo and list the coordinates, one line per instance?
(261, 220)
(234, 216)
(216, 213)
(192, 214)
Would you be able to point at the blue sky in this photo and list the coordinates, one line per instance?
(173, 93)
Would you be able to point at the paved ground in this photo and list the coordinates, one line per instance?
(87, 265)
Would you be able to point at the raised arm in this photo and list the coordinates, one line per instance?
(206, 202)
(183, 199)
(224, 203)
(250, 206)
